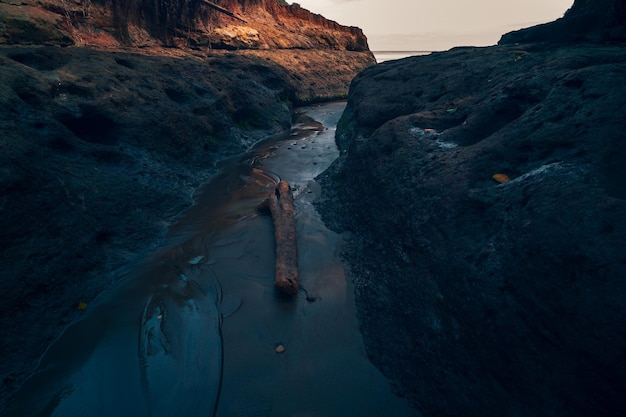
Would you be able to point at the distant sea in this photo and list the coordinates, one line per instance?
(382, 56)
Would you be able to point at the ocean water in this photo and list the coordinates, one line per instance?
(382, 56)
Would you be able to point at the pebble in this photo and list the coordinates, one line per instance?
(501, 178)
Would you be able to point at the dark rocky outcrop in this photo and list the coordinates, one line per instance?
(259, 24)
(587, 20)
(480, 297)
(99, 153)
(111, 115)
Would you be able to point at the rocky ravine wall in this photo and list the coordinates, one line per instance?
(107, 130)
(478, 296)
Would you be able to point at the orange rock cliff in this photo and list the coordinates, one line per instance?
(195, 24)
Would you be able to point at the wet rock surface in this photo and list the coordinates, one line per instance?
(479, 296)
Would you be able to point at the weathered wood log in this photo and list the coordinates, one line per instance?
(223, 10)
(280, 204)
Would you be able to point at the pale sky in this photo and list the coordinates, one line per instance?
(434, 25)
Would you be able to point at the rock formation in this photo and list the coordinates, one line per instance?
(480, 296)
(257, 24)
(587, 20)
(111, 115)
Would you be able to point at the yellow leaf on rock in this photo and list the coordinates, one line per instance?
(82, 306)
(501, 178)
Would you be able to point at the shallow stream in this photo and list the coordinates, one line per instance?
(194, 329)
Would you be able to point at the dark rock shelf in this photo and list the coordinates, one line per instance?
(480, 297)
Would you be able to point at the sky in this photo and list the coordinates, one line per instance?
(436, 25)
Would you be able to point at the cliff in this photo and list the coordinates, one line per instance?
(483, 191)
(112, 114)
(254, 24)
(301, 42)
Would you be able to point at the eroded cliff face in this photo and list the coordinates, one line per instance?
(321, 55)
(195, 24)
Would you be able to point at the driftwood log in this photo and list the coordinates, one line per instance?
(280, 204)
(223, 10)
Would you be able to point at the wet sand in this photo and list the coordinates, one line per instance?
(193, 330)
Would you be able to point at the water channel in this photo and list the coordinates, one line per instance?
(193, 330)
